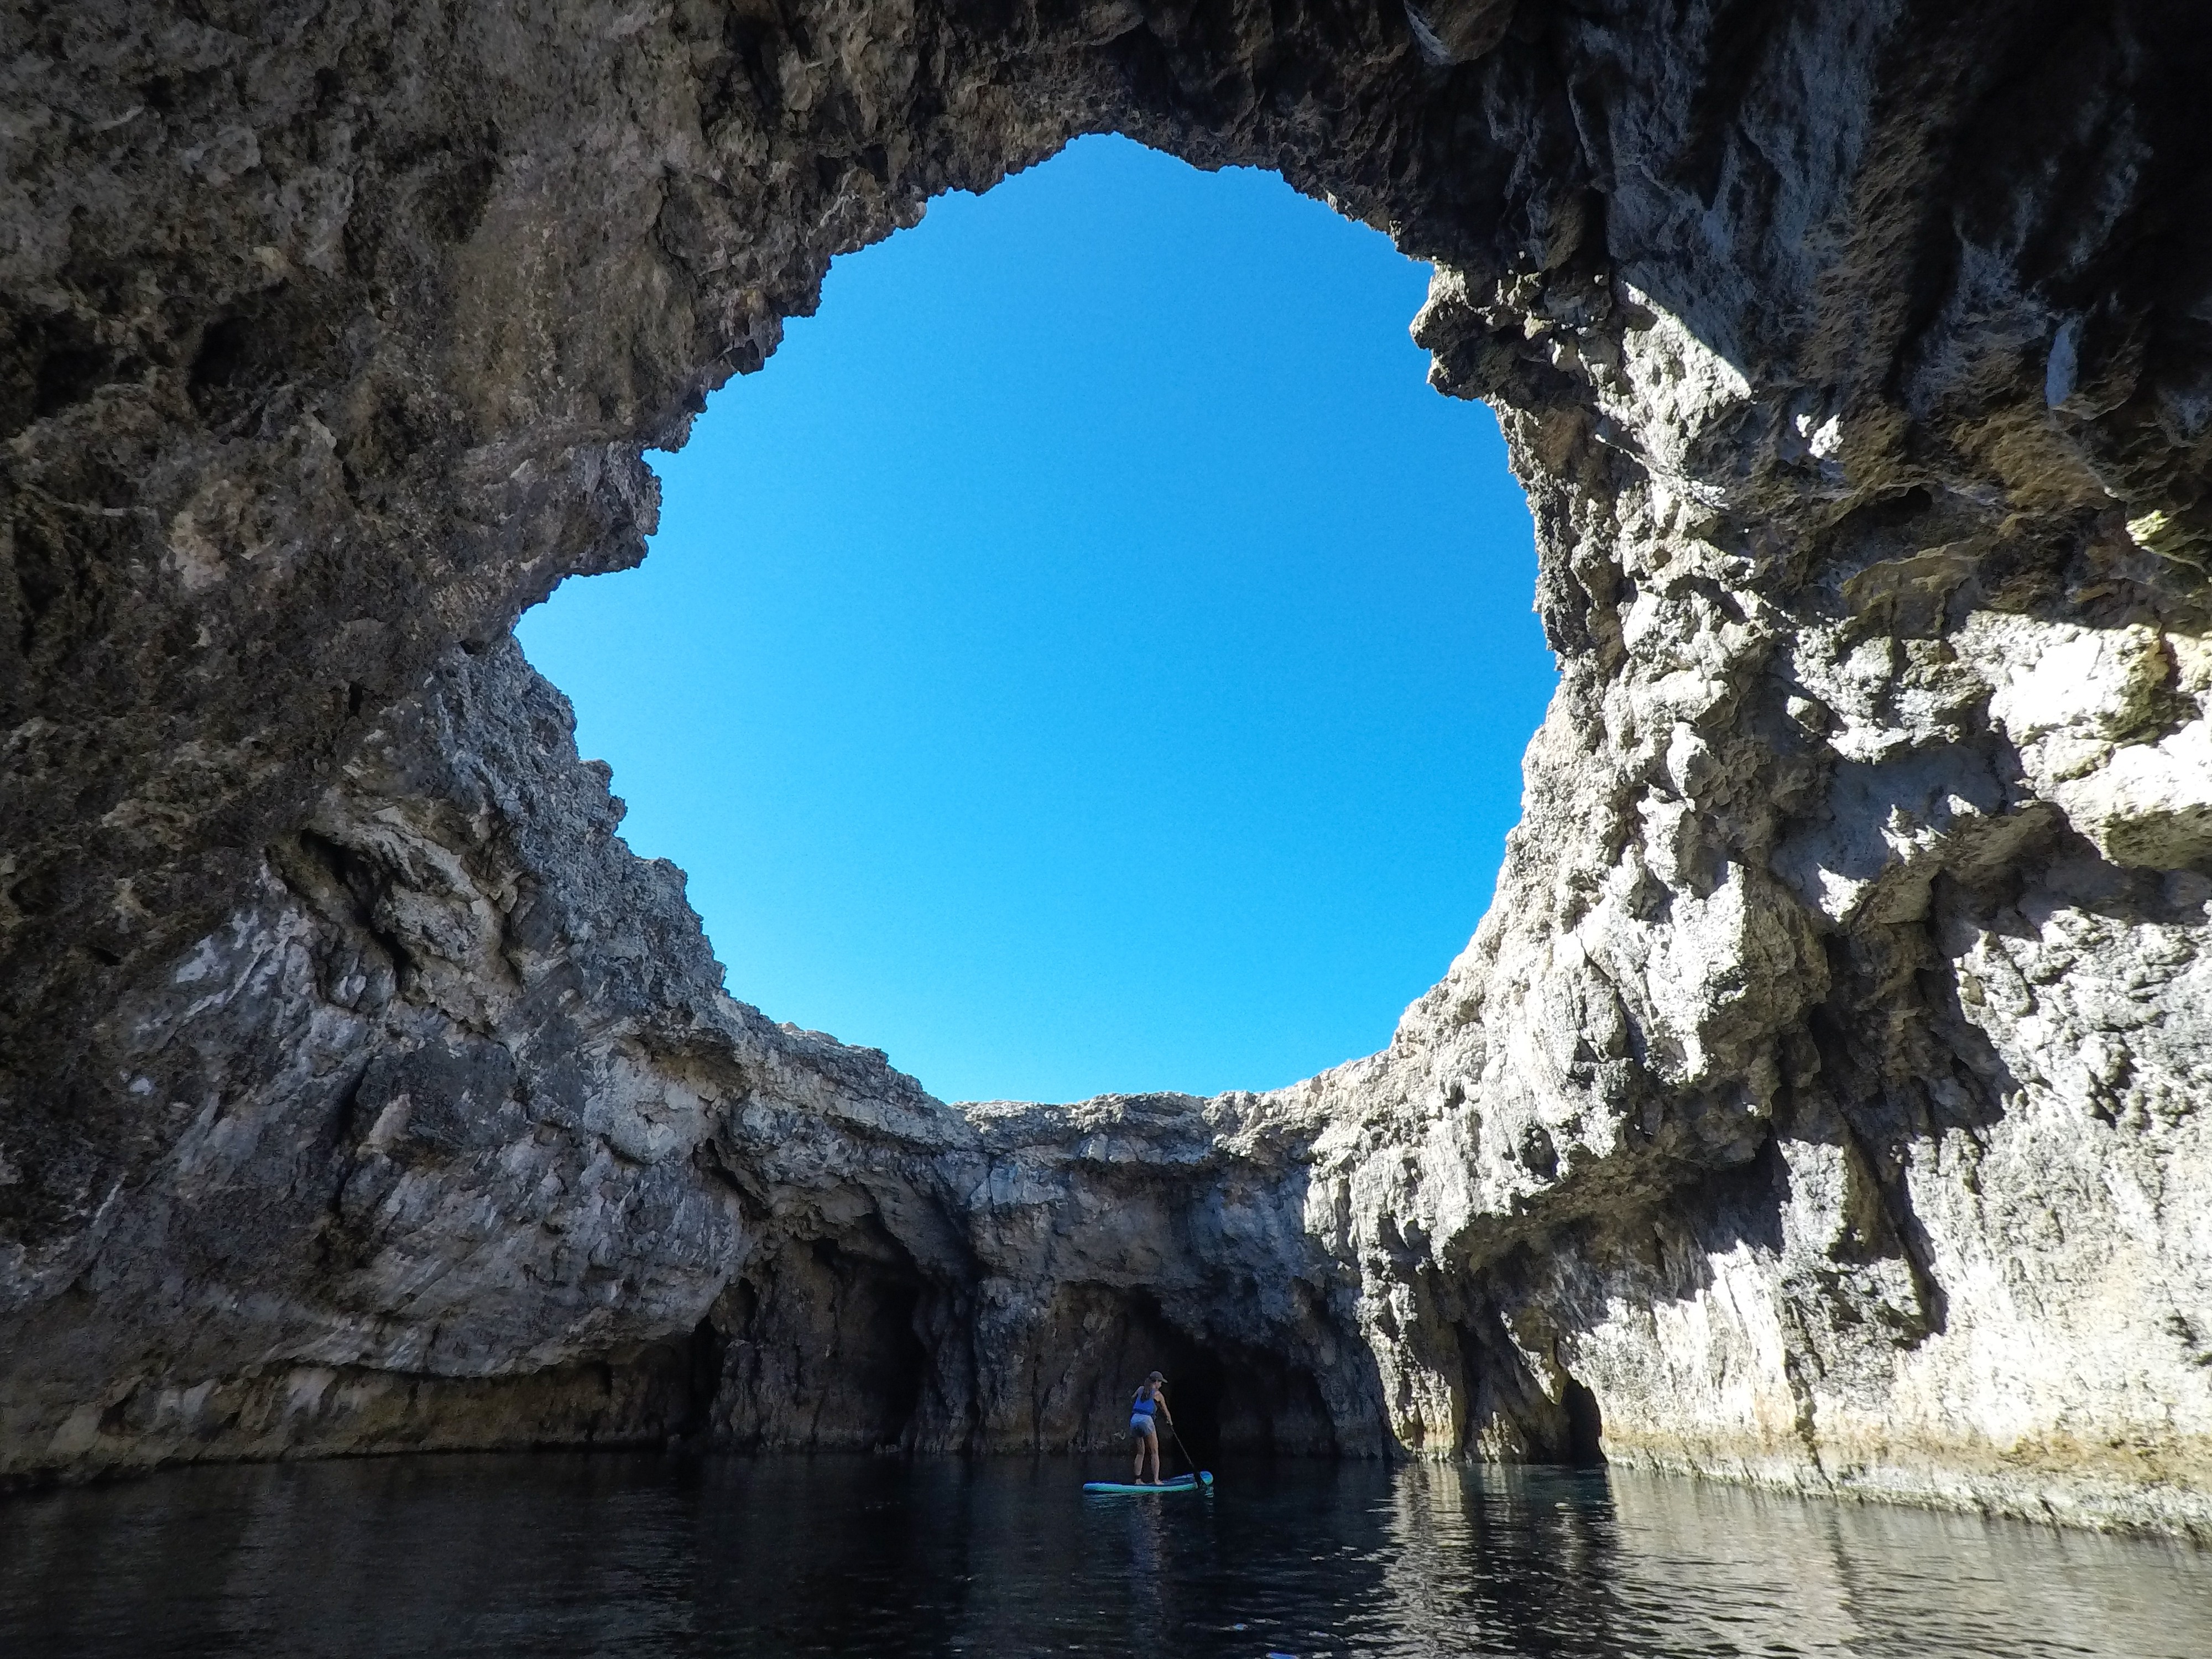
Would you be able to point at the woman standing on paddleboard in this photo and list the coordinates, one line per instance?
(1152, 1396)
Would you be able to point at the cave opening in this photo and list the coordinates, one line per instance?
(1197, 1381)
(815, 1344)
(1089, 658)
(325, 365)
(1231, 1396)
(1226, 1396)
(1585, 1447)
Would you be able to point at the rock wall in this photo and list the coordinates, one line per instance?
(1821, 1103)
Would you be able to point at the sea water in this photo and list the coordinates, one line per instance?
(636, 1555)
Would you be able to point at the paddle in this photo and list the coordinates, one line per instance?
(1197, 1474)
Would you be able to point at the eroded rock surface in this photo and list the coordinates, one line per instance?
(1822, 1103)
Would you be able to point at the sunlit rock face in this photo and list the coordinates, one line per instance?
(1821, 1102)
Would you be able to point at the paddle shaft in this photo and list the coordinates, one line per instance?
(1184, 1449)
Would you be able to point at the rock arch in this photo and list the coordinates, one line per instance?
(1821, 1101)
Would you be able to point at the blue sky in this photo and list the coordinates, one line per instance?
(1087, 657)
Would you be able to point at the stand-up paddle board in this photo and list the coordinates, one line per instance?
(1198, 1482)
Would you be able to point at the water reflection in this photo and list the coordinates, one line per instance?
(640, 1555)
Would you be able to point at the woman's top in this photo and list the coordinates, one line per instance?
(1143, 1405)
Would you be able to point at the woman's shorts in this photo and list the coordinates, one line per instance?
(1140, 1426)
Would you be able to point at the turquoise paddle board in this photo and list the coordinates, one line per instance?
(1198, 1482)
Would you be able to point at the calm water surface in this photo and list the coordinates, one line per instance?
(554, 1555)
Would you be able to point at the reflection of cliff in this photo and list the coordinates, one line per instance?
(856, 1554)
(1820, 1103)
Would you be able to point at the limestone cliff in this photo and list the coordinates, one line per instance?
(1821, 1102)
